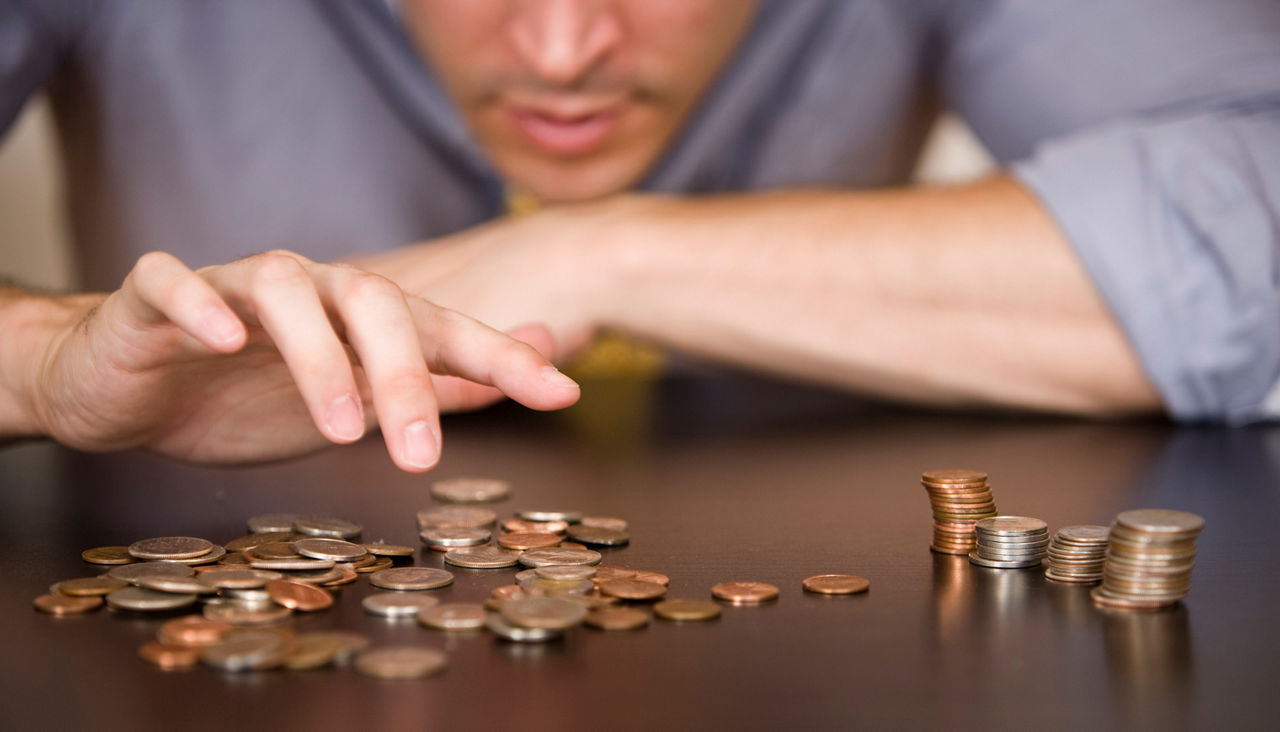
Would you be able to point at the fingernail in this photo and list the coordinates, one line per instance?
(222, 328)
(346, 418)
(553, 376)
(421, 445)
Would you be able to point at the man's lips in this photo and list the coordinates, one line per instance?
(561, 132)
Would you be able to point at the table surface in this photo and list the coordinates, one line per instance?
(721, 479)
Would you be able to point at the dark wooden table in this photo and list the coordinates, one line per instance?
(721, 480)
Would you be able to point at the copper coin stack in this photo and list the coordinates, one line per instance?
(960, 498)
(1149, 559)
(1076, 554)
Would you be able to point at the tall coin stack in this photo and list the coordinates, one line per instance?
(960, 498)
(1010, 542)
(1149, 560)
(1076, 554)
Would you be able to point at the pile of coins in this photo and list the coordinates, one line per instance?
(960, 498)
(1149, 559)
(1010, 542)
(1076, 554)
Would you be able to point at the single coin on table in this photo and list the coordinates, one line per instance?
(299, 595)
(453, 616)
(138, 599)
(470, 490)
(633, 589)
(742, 593)
(598, 535)
(411, 578)
(400, 662)
(481, 557)
(686, 610)
(169, 658)
(89, 586)
(617, 618)
(836, 584)
(271, 522)
(63, 605)
(397, 604)
(330, 527)
(170, 547)
(336, 549)
(108, 555)
(558, 555)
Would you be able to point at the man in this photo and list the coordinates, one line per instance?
(1122, 262)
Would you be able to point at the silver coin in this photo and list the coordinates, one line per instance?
(1011, 525)
(503, 628)
(562, 572)
(598, 536)
(551, 613)
(239, 613)
(453, 616)
(410, 578)
(448, 538)
(984, 562)
(249, 649)
(604, 522)
(170, 547)
(209, 557)
(327, 526)
(572, 517)
(1161, 521)
(470, 490)
(1087, 533)
(271, 522)
(131, 572)
(138, 599)
(179, 585)
(383, 549)
(397, 604)
(481, 557)
(239, 579)
(335, 549)
(559, 555)
(248, 596)
(455, 517)
(292, 564)
(400, 662)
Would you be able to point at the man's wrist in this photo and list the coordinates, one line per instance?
(32, 325)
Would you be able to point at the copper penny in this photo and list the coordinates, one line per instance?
(617, 618)
(299, 595)
(252, 540)
(378, 565)
(108, 555)
(89, 586)
(191, 631)
(169, 658)
(836, 584)
(507, 592)
(606, 573)
(685, 610)
(654, 577)
(528, 540)
(61, 605)
(633, 589)
(953, 475)
(745, 593)
(349, 575)
(544, 527)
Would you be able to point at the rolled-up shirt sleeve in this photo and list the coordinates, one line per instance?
(1150, 131)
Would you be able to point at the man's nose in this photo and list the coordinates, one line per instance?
(563, 40)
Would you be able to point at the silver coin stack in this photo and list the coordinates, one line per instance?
(1010, 542)
(1076, 554)
(1149, 560)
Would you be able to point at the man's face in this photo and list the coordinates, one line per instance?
(576, 99)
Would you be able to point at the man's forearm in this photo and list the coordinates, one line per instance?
(29, 322)
(960, 296)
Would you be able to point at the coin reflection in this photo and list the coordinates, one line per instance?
(1149, 665)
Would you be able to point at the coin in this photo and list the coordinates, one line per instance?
(1013, 526)
(539, 586)
(336, 573)
(209, 557)
(180, 585)
(254, 540)
(470, 490)
(170, 547)
(605, 573)
(411, 578)
(686, 610)
(633, 589)
(273, 550)
(550, 515)
(249, 649)
(239, 579)
(453, 616)
(271, 522)
(63, 605)
(381, 549)
(192, 631)
(445, 539)
(169, 658)
(1161, 522)
(335, 549)
(604, 522)
(551, 613)
(237, 613)
(138, 599)
(456, 517)
(598, 536)
(349, 575)
(836, 584)
(654, 577)
(975, 558)
(299, 595)
(89, 586)
(400, 662)
(617, 618)
(559, 555)
(506, 592)
(528, 540)
(108, 555)
(397, 604)
(562, 572)
(741, 593)
(546, 527)
(377, 566)
(481, 557)
(341, 645)
(293, 565)
(954, 476)
(507, 630)
(327, 526)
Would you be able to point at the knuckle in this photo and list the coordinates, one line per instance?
(271, 269)
(366, 287)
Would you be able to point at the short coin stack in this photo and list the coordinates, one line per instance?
(959, 498)
(1010, 542)
(1149, 560)
(1076, 554)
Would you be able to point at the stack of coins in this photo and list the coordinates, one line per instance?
(1076, 554)
(1010, 542)
(1149, 560)
(959, 498)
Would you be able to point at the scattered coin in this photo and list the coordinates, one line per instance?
(344, 645)
(272, 523)
(311, 651)
(180, 585)
(335, 549)
(654, 577)
(254, 540)
(327, 526)
(108, 555)
(299, 595)
(377, 566)
(528, 540)
(170, 547)
(411, 578)
(273, 550)
(470, 490)
(740, 593)
(605, 573)
(138, 599)
(293, 565)
(89, 586)
(550, 613)
(381, 549)
(239, 579)
(540, 515)
(456, 517)
(633, 589)
(442, 540)
(558, 555)
(604, 522)
(349, 575)
(506, 592)
(836, 584)
(507, 630)
(453, 616)
(192, 631)
(169, 658)
(481, 557)
(250, 649)
(400, 662)
(562, 572)
(617, 618)
(237, 613)
(63, 605)
(213, 555)
(685, 610)
(546, 527)
(598, 536)
(397, 604)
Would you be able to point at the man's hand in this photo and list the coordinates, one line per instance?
(262, 358)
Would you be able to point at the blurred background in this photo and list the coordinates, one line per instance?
(34, 247)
